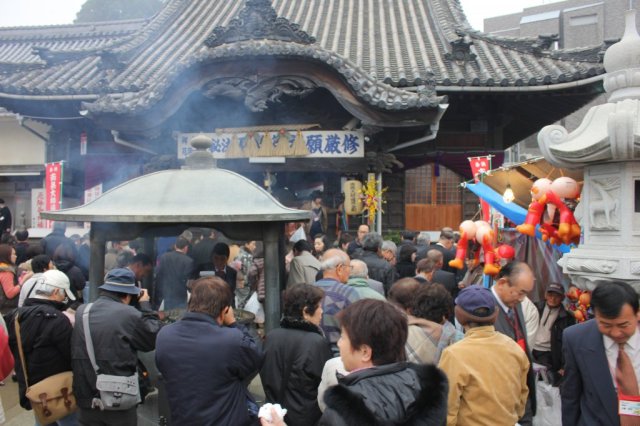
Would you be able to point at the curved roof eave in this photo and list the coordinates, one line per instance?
(187, 195)
(370, 91)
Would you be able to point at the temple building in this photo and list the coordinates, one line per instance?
(296, 94)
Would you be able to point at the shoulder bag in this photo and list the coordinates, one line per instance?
(117, 393)
(51, 398)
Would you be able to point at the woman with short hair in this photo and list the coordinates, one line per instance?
(295, 355)
(381, 387)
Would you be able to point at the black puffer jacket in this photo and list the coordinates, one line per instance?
(118, 331)
(392, 394)
(379, 269)
(300, 347)
(76, 278)
(46, 342)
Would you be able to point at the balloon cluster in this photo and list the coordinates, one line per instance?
(546, 198)
(579, 304)
(481, 232)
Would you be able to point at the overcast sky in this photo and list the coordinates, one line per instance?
(49, 12)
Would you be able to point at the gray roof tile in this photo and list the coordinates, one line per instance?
(375, 44)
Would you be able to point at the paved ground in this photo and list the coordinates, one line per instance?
(147, 413)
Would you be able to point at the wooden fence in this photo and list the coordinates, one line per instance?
(429, 217)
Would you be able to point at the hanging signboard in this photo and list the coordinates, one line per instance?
(288, 144)
(353, 197)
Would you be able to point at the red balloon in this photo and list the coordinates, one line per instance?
(506, 252)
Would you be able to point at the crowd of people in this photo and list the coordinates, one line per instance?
(372, 332)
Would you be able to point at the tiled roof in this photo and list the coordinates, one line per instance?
(373, 44)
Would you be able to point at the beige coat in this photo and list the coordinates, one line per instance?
(487, 374)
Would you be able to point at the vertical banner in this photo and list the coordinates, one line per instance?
(53, 187)
(479, 167)
(90, 195)
(37, 207)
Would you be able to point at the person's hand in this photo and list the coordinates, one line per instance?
(229, 317)
(275, 419)
(143, 296)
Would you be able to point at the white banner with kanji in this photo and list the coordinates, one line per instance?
(90, 195)
(37, 207)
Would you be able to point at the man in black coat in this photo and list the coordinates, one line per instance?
(51, 242)
(45, 332)
(174, 270)
(445, 246)
(379, 269)
(220, 268)
(447, 279)
(5, 218)
(554, 318)
(206, 358)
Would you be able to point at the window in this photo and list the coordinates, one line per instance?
(576, 21)
(419, 186)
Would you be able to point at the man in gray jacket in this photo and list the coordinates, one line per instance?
(118, 331)
(304, 267)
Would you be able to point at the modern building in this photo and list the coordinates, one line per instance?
(296, 94)
(587, 26)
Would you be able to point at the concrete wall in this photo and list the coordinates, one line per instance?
(19, 146)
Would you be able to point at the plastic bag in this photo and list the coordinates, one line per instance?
(255, 307)
(549, 408)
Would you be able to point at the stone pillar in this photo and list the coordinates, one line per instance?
(605, 145)
(97, 240)
(272, 277)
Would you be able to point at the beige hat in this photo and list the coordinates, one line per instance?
(57, 279)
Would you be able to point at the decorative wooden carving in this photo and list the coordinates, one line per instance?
(257, 93)
(258, 20)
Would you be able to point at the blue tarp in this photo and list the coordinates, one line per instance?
(511, 211)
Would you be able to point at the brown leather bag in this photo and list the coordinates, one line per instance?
(51, 398)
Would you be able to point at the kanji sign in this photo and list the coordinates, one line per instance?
(53, 186)
(323, 144)
(37, 207)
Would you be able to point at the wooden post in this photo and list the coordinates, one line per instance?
(149, 250)
(272, 255)
(434, 185)
(96, 263)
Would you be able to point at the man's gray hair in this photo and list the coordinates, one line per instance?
(331, 262)
(423, 239)
(372, 242)
(358, 269)
(389, 245)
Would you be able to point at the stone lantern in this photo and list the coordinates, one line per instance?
(607, 146)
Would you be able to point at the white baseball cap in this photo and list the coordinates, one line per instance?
(57, 279)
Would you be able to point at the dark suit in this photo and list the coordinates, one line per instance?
(230, 277)
(448, 280)
(503, 325)
(447, 255)
(587, 391)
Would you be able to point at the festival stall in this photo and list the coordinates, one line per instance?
(526, 215)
